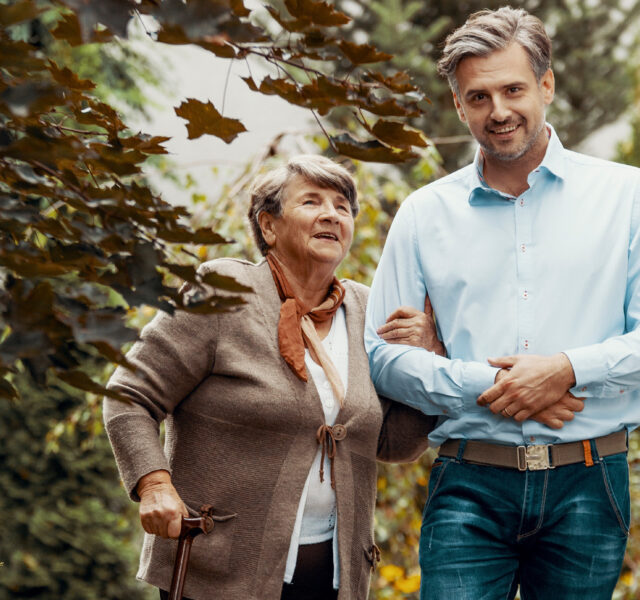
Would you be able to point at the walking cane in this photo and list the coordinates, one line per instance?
(191, 527)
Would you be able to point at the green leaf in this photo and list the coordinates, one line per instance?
(205, 119)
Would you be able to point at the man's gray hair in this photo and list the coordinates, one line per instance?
(268, 191)
(486, 31)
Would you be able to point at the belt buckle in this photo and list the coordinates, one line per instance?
(534, 458)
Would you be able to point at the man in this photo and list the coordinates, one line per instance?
(531, 259)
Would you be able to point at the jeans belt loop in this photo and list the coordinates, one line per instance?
(594, 451)
(461, 447)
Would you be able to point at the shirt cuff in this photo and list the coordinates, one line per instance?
(589, 369)
(476, 378)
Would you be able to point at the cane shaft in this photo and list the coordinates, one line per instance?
(190, 528)
(180, 568)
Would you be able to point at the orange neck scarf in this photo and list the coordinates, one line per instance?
(296, 329)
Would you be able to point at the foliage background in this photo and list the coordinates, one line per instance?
(68, 530)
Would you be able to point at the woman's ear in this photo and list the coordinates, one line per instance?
(266, 222)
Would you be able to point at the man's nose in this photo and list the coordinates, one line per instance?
(500, 110)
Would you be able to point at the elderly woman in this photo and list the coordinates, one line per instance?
(270, 413)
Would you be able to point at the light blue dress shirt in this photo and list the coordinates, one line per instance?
(556, 269)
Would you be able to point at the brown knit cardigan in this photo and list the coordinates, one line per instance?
(241, 435)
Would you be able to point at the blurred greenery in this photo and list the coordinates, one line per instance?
(68, 529)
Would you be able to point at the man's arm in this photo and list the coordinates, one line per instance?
(602, 370)
(407, 325)
(431, 383)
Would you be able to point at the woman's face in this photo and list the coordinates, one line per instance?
(316, 226)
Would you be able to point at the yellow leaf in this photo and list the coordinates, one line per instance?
(391, 572)
(408, 585)
(382, 484)
(627, 579)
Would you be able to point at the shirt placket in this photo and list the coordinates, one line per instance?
(524, 258)
(526, 287)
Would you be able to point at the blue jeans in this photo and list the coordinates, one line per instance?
(560, 533)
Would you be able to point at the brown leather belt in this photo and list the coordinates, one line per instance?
(534, 458)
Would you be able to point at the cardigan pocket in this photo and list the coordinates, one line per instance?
(211, 552)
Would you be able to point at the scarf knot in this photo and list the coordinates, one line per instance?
(296, 329)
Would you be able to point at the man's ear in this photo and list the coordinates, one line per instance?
(548, 86)
(459, 108)
(266, 222)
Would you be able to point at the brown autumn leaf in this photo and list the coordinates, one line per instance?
(389, 107)
(18, 12)
(317, 11)
(114, 15)
(371, 151)
(225, 283)
(79, 379)
(400, 82)
(145, 143)
(291, 25)
(69, 79)
(68, 29)
(238, 7)
(397, 134)
(187, 236)
(360, 54)
(205, 119)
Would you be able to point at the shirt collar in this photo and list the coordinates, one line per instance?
(552, 165)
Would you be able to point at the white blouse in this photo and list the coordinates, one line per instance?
(316, 517)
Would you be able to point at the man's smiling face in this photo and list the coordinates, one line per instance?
(502, 102)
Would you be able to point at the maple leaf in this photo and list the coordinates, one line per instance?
(205, 119)
(360, 54)
(396, 134)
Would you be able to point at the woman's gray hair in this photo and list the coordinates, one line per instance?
(268, 191)
(486, 31)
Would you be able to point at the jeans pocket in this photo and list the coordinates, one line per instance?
(435, 478)
(615, 474)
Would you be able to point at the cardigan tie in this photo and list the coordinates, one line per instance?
(327, 440)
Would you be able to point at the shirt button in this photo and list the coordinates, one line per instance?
(532, 438)
(583, 388)
(525, 294)
(522, 202)
(526, 344)
(523, 248)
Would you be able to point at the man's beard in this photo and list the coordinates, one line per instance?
(528, 143)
